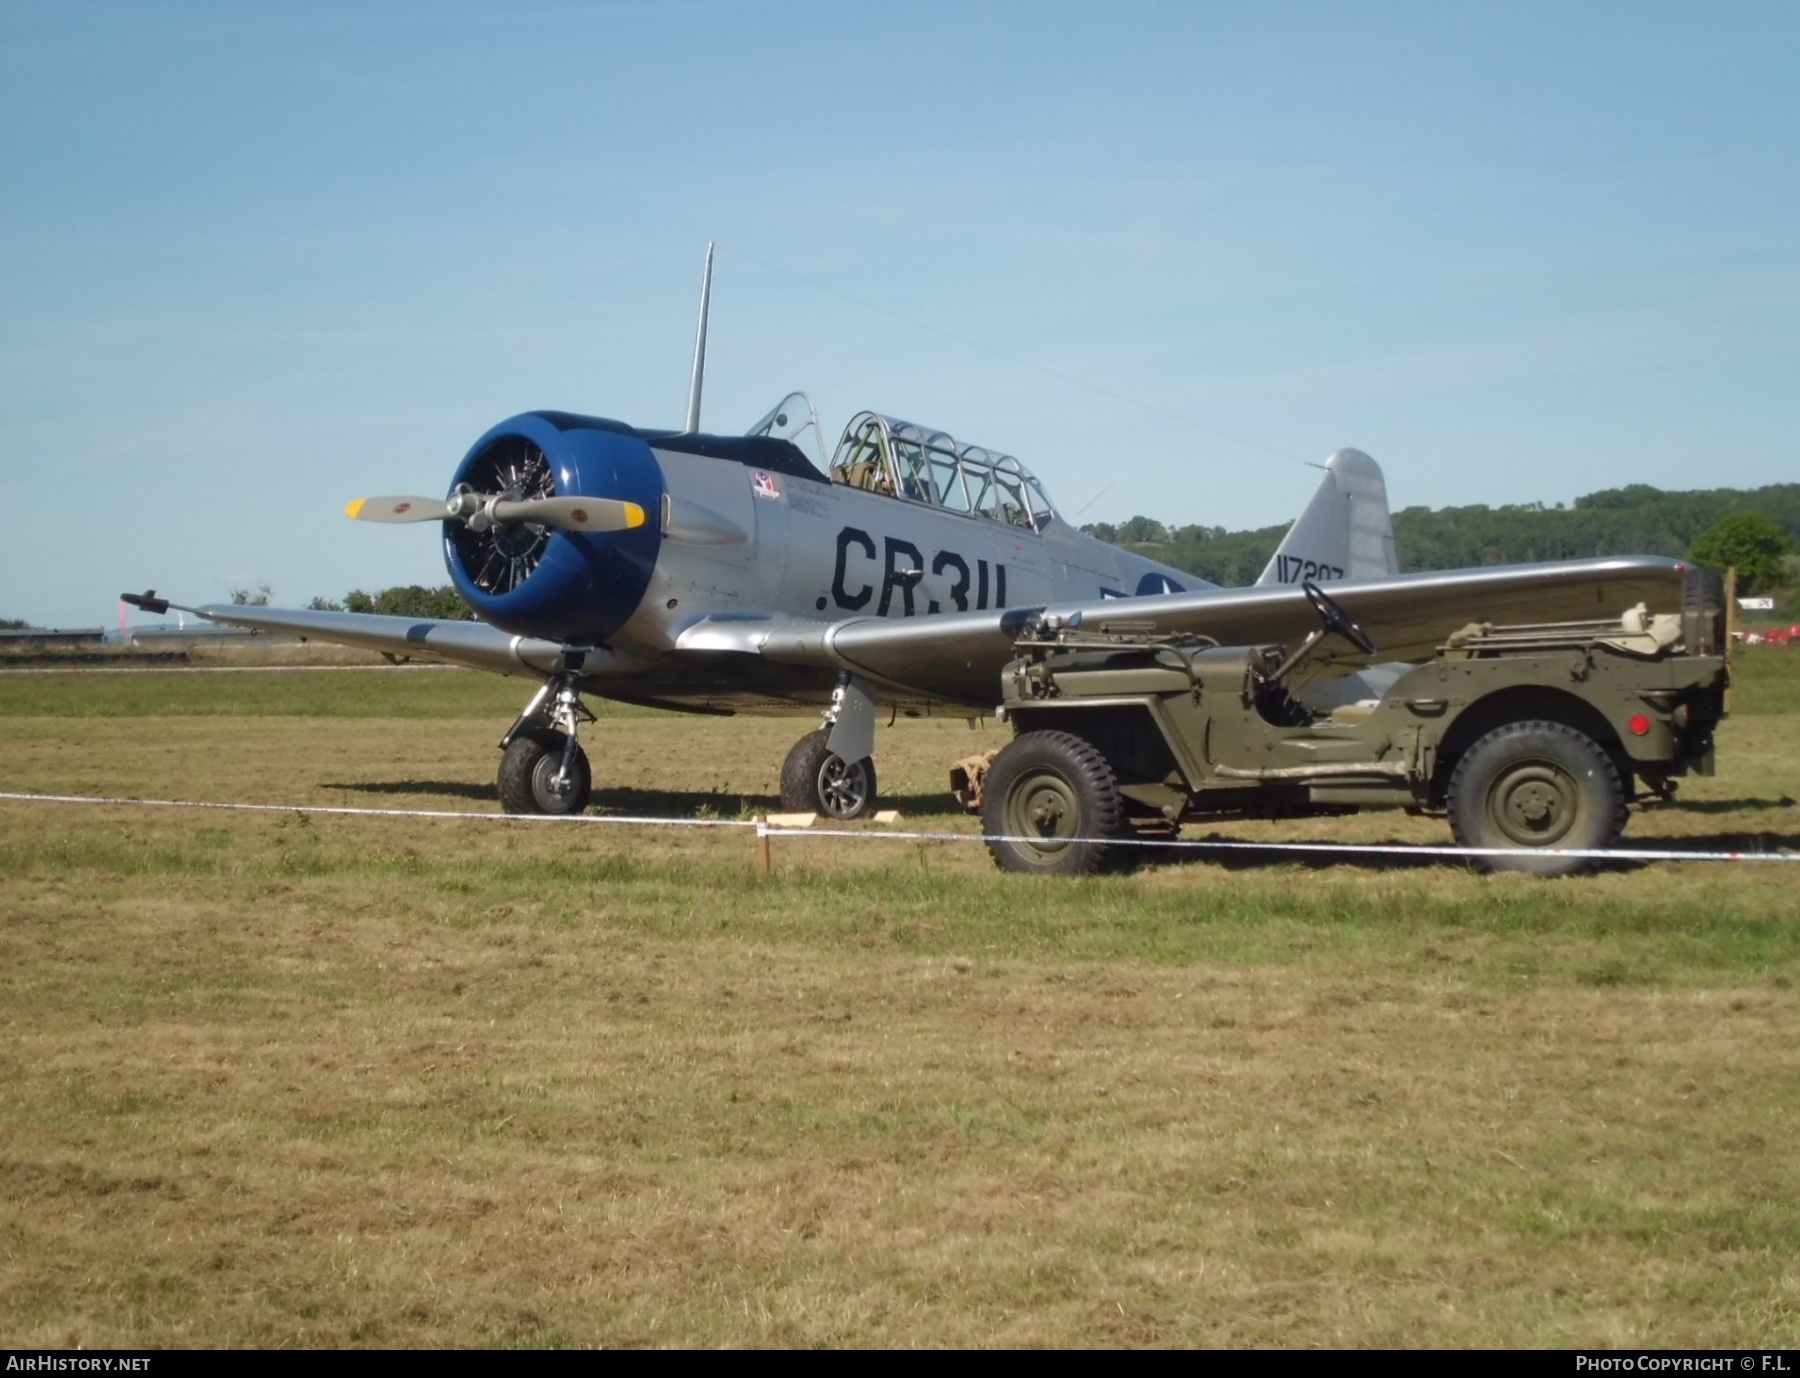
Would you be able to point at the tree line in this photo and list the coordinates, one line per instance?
(406, 600)
(1635, 520)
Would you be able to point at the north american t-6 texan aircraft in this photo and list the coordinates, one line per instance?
(737, 573)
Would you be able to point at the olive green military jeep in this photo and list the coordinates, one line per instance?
(1525, 737)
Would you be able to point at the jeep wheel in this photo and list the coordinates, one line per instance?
(1536, 784)
(1055, 791)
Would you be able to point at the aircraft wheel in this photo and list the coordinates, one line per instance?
(528, 770)
(1536, 784)
(1058, 791)
(814, 780)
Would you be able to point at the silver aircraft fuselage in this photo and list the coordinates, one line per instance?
(743, 545)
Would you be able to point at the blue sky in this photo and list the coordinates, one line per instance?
(258, 260)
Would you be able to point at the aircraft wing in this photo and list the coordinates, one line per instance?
(474, 644)
(955, 657)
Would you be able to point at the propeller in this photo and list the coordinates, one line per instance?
(480, 511)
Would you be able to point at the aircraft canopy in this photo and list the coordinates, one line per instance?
(883, 454)
(887, 455)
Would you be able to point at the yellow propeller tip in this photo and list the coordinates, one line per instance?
(634, 515)
(354, 510)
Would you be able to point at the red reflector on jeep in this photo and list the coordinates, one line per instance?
(1639, 725)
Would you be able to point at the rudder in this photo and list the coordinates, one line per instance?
(1345, 531)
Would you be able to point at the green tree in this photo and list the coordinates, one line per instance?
(1751, 542)
(251, 598)
(412, 600)
(1144, 531)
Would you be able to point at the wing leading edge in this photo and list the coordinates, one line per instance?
(474, 644)
(956, 657)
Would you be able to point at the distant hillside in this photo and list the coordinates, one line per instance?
(1638, 520)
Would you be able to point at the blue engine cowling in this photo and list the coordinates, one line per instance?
(574, 587)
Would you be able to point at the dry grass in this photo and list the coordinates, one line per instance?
(269, 1080)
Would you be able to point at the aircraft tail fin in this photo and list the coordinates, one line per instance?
(1345, 531)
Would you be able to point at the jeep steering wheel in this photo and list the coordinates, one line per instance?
(1332, 614)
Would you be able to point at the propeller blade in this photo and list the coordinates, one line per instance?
(400, 509)
(571, 514)
(561, 514)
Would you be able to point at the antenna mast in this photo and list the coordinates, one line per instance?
(693, 411)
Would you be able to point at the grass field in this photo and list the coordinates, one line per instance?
(277, 1079)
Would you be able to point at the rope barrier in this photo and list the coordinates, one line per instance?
(1327, 848)
(765, 831)
(348, 811)
(225, 669)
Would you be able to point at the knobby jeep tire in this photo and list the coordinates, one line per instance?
(528, 770)
(815, 780)
(1536, 784)
(1058, 791)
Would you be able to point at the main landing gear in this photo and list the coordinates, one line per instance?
(542, 766)
(814, 779)
(830, 771)
(543, 769)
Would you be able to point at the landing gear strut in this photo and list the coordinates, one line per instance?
(542, 766)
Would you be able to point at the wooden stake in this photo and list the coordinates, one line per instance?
(1731, 626)
(765, 864)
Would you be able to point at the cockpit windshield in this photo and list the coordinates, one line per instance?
(796, 420)
(884, 455)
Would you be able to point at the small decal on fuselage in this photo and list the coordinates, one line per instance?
(764, 485)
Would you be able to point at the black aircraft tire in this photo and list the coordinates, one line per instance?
(815, 780)
(529, 765)
(1056, 786)
(1536, 784)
